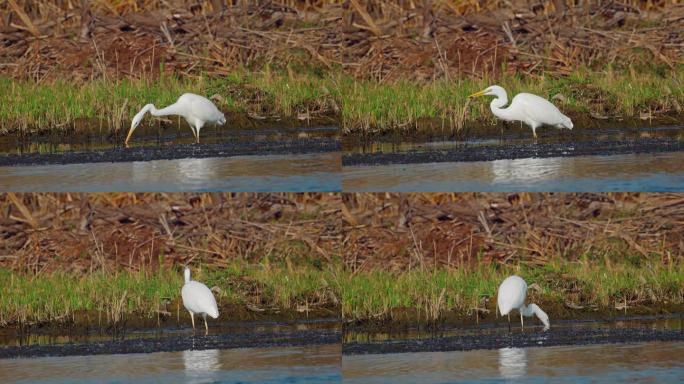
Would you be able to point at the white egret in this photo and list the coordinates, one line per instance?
(195, 109)
(511, 296)
(198, 299)
(531, 109)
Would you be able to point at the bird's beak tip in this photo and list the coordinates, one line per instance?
(476, 94)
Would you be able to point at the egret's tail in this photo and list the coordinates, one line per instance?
(214, 313)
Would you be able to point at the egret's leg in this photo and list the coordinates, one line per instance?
(534, 131)
(198, 125)
(509, 322)
(192, 317)
(206, 327)
(194, 133)
(522, 327)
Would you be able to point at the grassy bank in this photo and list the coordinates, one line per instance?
(361, 106)
(59, 296)
(563, 288)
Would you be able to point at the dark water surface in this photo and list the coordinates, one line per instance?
(165, 159)
(652, 172)
(655, 362)
(641, 349)
(301, 172)
(171, 327)
(615, 157)
(301, 364)
(302, 351)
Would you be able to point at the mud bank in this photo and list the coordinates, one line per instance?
(476, 152)
(180, 151)
(488, 337)
(149, 344)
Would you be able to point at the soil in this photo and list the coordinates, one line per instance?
(45, 232)
(262, 339)
(178, 151)
(531, 337)
(379, 40)
(398, 232)
(402, 320)
(536, 149)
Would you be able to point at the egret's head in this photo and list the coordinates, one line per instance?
(494, 90)
(136, 121)
(568, 124)
(221, 120)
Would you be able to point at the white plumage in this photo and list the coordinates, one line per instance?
(531, 109)
(198, 299)
(195, 109)
(511, 295)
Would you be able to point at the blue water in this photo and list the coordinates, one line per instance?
(312, 364)
(657, 172)
(659, 362)
(284, 173)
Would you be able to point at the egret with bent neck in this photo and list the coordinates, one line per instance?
(511, 295)
(531, 109)
(195, 109)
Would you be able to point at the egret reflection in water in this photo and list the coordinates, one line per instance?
(526, 170)
(201, 366)
(512, 363)
(177, 171)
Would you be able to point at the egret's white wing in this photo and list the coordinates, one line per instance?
(511, 293)
(201, 107)
(538, 109)
(198, 298)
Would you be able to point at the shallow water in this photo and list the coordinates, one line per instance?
(493, 136)
(11, 336)
(657, 362)
(91, 138)
(307, 172)
(532, 327)
(309, 364)
(630, 172)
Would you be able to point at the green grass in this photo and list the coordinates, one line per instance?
(362, 106)
(603, 284)
(57, 296)
(375, 295)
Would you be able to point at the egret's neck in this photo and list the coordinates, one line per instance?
(526, 310)
(533, 309)
(497, 106)
(173, 109)
(186, 274)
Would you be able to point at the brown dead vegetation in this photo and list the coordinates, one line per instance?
(381, 40)
(83, 232)
(41, 232)
(404, 231)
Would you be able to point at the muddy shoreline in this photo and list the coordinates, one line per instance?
(532, 336)
(471, 153)
(179, 151)
(179, 343)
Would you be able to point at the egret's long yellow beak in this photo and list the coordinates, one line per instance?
(130, 133)
(478, 94)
